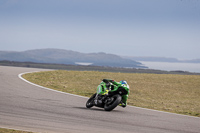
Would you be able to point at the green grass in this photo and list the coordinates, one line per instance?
(3, 130)
(165, 92)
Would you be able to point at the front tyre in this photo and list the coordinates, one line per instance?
(90, 102)
(116, 100)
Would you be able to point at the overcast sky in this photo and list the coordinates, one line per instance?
(163, 28)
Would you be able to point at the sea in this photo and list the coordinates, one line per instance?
(169, 66)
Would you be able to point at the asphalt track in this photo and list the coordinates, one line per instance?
(27, 107)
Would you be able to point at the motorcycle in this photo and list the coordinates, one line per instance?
(108, 96)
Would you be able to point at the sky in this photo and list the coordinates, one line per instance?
(161, 28)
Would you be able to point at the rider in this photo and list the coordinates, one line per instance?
(109, 86)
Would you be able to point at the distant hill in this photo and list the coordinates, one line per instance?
(193, 61)
(61, 56)
(161, 59)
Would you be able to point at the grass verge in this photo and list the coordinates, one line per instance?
(165, 92)
(3, 130)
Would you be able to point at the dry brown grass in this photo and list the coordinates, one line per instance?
(166, 92)
(2, 130)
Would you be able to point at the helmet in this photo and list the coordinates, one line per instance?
(123, 82)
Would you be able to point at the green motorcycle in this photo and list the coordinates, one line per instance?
(109, 95)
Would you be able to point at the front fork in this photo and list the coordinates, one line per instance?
(96, 99)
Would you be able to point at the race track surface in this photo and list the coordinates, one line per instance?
(27, 107)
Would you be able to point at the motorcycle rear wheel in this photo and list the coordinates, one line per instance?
(117, 100)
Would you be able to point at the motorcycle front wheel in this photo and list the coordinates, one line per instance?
(90, 102)
(116, 100)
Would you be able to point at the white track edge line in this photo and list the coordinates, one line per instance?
(20, 76)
